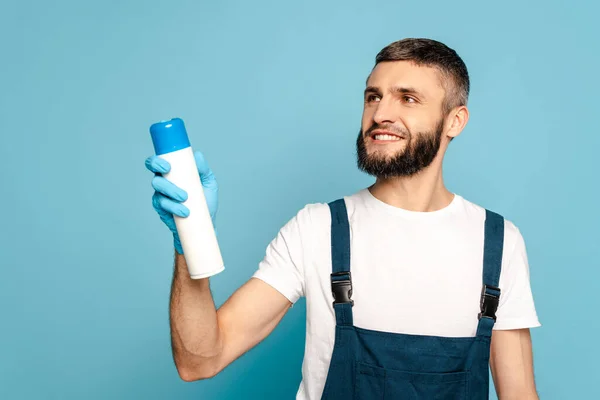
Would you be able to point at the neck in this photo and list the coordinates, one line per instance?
(424, 191)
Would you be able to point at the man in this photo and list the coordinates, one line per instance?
(411, 290)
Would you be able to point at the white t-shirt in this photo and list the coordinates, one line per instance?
(412, 272)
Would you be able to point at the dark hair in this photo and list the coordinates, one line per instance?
(431, 53)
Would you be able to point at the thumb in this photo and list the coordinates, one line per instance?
(206, 175)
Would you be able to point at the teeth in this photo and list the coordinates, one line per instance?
(386, 137)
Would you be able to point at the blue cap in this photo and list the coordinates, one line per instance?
(169, 136)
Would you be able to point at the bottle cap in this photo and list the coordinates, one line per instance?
(169, 136)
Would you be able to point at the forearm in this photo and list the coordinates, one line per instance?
(195, 335)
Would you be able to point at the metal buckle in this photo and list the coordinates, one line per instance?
(489, 302)
(342, 288)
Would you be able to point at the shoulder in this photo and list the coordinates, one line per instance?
(319, 212)
(311, 215)
(512, 233)
(307, 222)
(315, 217)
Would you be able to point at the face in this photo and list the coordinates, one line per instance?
(402, 122)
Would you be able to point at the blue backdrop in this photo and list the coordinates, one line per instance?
(271, 93)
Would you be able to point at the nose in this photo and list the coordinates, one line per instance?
(385, 112)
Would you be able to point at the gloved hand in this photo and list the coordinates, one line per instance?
(168, 197)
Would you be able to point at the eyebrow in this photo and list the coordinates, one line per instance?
(395, 89)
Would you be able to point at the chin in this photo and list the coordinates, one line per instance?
(384, 153)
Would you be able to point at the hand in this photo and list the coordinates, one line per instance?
(168, 197)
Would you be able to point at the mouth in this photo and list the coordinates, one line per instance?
(381, 136)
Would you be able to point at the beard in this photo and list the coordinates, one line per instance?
(419, 152)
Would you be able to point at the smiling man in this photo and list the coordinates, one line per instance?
(412, 291)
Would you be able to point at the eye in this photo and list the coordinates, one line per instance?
(409, 99)
(372, 97)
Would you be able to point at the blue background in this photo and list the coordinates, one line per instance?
(271, 93)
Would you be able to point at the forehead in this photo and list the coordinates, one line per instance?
(426, 80)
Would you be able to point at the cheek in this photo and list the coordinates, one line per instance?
(420, 120)
(367, 119)
(414, 124)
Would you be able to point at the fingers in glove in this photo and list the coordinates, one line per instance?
(168, 188)
(157, 165)
(164, 204)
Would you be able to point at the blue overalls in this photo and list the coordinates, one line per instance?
(368, 364)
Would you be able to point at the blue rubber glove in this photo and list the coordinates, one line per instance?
(168, 197)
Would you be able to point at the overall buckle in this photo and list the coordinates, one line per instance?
(341, 288)
(489, 302)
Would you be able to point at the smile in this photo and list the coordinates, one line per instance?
(383, 137)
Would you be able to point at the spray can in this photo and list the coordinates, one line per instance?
(196, 231)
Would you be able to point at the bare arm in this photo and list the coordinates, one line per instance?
(204, 340)
(511, 362)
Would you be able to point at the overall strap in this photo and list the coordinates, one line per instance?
(492, 264)
(341, 280)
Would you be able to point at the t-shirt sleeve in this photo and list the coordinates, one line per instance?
(516, 309)
(283, 264)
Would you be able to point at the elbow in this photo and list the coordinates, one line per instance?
(518, 395)
(194, 366)
(188, 375)
(198, 373)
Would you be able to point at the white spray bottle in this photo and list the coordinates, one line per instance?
(196, 231)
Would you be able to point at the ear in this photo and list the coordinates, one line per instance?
(456, 121)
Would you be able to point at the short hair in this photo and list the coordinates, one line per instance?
(431, 53)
